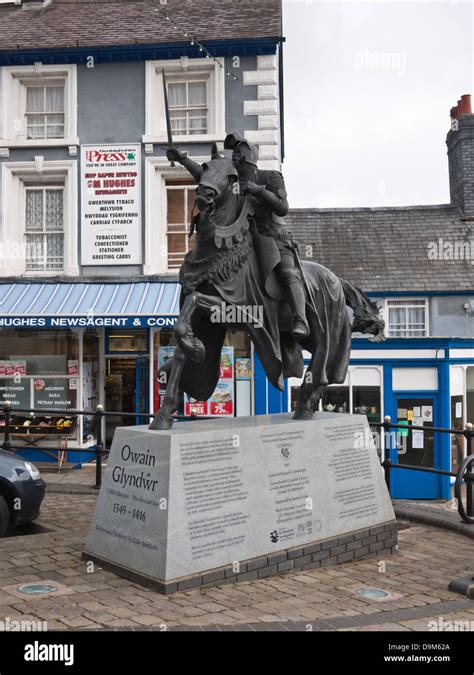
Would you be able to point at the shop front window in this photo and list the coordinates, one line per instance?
(45, 352)
(127, 341)
(336, 399)
(39, 370)
(366, 401)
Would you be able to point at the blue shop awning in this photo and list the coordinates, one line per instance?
(75, 305)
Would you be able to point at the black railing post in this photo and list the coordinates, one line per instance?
(469, 480)
(7, 409)
(387, 421)
(99, 446)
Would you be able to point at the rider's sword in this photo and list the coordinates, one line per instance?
(308, 288)
(168, 118)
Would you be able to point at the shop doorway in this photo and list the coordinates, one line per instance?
(126, 390)
(415, 448)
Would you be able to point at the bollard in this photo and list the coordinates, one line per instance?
(469, 480)
(387, 420)
(7, 409)
(99, 447)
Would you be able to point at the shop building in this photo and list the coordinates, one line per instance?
(94, 221)
(417, 262)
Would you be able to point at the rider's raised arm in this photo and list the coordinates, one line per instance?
(195, 169)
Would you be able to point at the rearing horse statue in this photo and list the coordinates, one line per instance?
(226, 269)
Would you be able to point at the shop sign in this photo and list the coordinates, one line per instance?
(111, 205)
(160, 322)
(16, 392)
(55, 393)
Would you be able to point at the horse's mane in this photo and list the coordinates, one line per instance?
(217, 268)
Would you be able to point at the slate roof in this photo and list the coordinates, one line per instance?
(386, 249)
(96, 23)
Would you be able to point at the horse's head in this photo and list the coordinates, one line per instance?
(216, 184)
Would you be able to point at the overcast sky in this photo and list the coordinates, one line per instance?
(368, 89)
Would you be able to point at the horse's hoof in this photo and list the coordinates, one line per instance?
(303, 414)
(161, 422)
(193, 348)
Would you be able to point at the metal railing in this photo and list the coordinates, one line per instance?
(99, 449)
(465, 473)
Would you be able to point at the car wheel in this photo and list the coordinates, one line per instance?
(4, 516)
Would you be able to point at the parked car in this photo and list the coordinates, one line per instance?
(21, 491)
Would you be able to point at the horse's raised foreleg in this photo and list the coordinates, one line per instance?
(192, 347)
(164, 417)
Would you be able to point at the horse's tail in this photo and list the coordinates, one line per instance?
(367, 317)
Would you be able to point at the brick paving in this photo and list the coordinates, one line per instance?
(324, 599)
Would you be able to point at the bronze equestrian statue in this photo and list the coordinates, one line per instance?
(244, 258)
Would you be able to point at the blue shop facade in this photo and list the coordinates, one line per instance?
(73, 346)
(420, 381)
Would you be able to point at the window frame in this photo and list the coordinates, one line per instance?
(157, 172)
(186, 224)
(45, 113)
(418, 300)
(15, 179)
(44, 232)
(179, 70)
(187, 109)
(13, 107)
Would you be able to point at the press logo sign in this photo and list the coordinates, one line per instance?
(98, 156)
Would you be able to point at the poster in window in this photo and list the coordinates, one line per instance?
(111, 205)
(222, 400)
(243, 368)
(227, 363)
(427, 413)
(54, 394)
(193, 407)
(18, 393)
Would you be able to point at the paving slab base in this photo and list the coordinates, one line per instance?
(369, 542)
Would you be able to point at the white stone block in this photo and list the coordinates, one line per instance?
(268, 152)
(269, 165)
(267, 62)
(267, 91)
(269, 137)
(252, 77)
(267, 122)
(264, 107)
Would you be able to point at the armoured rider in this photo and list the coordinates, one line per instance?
(268, 189)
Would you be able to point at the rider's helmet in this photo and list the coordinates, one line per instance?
(243, 150)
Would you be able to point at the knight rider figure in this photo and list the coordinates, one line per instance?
(268, 190)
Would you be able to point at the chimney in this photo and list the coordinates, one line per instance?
(460, 142)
